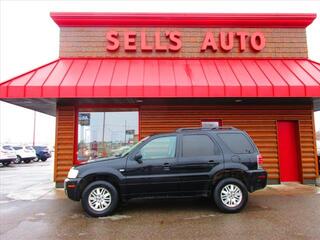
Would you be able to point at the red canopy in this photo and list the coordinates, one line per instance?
(130, 78)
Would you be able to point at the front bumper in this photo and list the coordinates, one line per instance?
(72, 188)
(256, 179)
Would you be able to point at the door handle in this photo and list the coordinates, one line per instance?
(211, 161)
(166, 166)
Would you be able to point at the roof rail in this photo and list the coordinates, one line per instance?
(205, 128)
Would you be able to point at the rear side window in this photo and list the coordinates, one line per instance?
(237, 142)
(17, 148)
(198, 146)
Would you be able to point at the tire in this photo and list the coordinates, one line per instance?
(6, 164)
(18, 160)
(238, 199)
(96, 187)
(27, 161)
(44, 159)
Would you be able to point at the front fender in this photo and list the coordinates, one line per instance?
(105, 172)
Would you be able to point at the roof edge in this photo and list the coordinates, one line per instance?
(32, 70)
(279, 20)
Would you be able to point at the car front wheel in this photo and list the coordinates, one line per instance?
(230, 195)
(99, 199)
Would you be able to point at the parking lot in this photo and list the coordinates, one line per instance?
(31, 208)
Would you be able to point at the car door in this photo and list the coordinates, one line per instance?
(154, 173)
(198, 156)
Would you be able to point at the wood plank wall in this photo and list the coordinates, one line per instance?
(258, 121)
(64, 147)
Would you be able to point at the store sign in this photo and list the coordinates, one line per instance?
(84, 119)
(171, 41)
(130, 132)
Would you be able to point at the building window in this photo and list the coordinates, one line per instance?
(106, 133)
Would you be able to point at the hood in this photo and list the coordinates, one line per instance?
(104, 160)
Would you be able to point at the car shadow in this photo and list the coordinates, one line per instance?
(168, 204)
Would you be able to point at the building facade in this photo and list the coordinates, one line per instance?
(122, 77)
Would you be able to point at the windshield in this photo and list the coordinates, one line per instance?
(125, 153)
(7, 148)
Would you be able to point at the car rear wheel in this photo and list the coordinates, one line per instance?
(230, 195)
(99, 199)
(44, 159)
(18, 160)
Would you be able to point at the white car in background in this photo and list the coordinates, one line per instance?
(7, 155)
(24, 153)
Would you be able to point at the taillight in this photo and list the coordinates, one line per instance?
(259, 161)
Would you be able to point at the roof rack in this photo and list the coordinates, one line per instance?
(205, 128)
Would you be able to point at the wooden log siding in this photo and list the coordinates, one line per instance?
(258, 121)
(64, 147)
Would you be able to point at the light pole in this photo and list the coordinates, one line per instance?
(34, 128)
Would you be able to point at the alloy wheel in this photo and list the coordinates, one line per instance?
(231, 195)
(99, 199)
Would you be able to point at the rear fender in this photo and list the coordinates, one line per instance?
(234, 170)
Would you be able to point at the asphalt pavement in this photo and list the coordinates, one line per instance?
(31, 208)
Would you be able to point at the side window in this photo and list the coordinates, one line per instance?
(198, 146)
(237, 142)
(162, 147)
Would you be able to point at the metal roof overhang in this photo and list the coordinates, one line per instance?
(124, 80)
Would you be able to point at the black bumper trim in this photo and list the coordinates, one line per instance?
(256, 179)
(71, 188)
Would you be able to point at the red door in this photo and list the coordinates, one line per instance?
(288, 146)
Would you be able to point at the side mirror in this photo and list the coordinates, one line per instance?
(138, 157)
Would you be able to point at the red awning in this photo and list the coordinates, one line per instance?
(130, 78)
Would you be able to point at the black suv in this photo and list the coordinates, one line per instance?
(221, 163)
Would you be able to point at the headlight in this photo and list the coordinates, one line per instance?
(73, 173)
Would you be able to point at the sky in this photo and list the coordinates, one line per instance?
(29, 39)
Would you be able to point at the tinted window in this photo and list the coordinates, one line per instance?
(198, 145)
(7, 148)
(39, 147)
(29, 148)
(17, 148)
(163, 147)
(237, 142)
